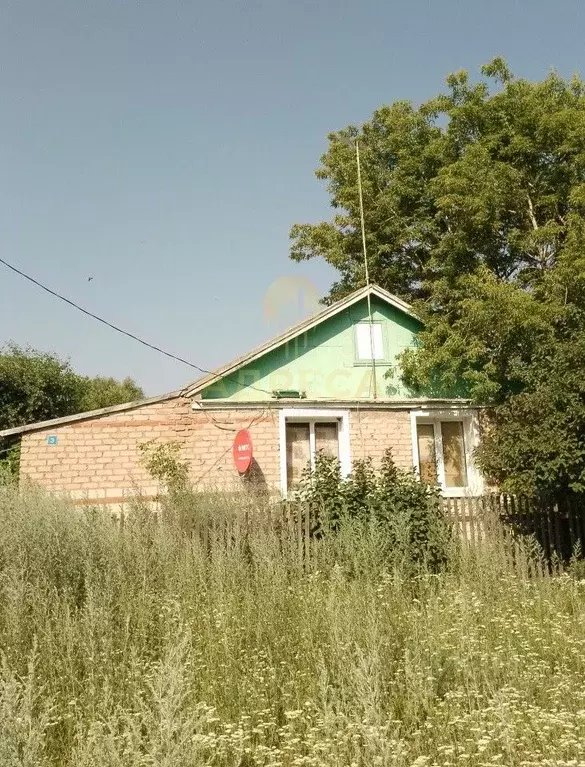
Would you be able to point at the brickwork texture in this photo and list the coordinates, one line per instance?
(99, 459)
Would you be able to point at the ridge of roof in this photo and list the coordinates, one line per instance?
(296, 330)
(40, 425)
(196, 386)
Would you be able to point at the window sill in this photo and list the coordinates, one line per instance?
(368, 363)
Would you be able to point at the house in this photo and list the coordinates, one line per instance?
(330, 383)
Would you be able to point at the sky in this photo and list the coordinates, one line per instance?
(164, 149)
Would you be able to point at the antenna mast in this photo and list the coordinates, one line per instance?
(371, 322)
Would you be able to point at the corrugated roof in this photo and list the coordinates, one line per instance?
(197, 386)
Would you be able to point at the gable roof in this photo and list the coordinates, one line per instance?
(231, 367)
(296, 330)
(39, 425)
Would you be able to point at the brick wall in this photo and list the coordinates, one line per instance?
(372, 431)
(99, 458)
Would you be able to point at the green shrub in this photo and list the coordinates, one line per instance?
(9, 460)
(405, 511)
(134, 646)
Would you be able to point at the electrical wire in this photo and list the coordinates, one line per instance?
(223, 425)
(125, 332)
(209, 469)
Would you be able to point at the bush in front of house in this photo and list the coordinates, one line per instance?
(135, 645)
(404, 511)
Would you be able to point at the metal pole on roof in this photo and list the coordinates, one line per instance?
(363, 225)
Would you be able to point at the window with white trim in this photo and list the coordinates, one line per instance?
(305, 433)
(365, 334)
(443, 452)
(303, 442)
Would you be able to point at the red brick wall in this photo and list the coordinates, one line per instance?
(99, 458)
(372, 431)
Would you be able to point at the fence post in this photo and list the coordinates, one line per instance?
(467, 520)
(494, 523)
(480, 507)
(558, 545)
(307, 536)
(454, 516)
(299, 525)
(538, 511)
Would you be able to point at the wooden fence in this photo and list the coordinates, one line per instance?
(558, 528)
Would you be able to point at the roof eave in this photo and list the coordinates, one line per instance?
(42, 425)
(402, 403)
(295, 330)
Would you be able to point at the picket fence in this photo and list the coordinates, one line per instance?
(557, 527)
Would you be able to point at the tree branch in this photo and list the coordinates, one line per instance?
(531, 213)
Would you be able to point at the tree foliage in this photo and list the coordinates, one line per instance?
(474, 207)
(37, 386)
(101, 392)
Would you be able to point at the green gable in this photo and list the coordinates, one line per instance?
(322, 361)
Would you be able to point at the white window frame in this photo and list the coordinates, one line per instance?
(470, 423)
(371, 332)
(312, 416)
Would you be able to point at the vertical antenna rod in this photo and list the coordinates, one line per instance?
(371, 322)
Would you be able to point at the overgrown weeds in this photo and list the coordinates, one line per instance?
(403, 512)
(143, 646)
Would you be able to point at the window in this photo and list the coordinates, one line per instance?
(303, 433)
(364, 334)
(303, 442)
(427, 458)
(298, 451)
(454, 454)
(442, 449)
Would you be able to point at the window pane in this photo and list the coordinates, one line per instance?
(427, 462)
(454, 454)
(364, 346)
(298, 452)
(326, 438)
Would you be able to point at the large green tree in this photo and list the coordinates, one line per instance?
(101, 392)
(475, 211)
(37, 386)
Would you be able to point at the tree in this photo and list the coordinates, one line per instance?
(101, 392)
(474, 206)
(37, 386)
(537, 441)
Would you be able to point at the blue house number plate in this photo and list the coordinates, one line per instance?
(52, 439)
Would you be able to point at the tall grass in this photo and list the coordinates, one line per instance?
(144, 647)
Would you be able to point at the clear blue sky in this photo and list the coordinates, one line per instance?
(165, 148)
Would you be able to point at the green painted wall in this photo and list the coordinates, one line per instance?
(322, 361)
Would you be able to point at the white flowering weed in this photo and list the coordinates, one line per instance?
(145, 647)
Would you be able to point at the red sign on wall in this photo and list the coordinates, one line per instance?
(242, 451)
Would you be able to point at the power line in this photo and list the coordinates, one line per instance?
(125, 332)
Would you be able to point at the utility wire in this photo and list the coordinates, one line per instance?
(125, 332)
